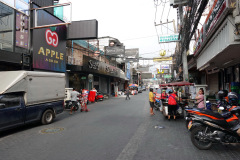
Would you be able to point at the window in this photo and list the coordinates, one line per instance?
(6, 27)
(10, 100)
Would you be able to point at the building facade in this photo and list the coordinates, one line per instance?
(216, 51)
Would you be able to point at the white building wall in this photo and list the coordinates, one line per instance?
(223, 37)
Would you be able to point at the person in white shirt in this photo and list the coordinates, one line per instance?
(74, 95)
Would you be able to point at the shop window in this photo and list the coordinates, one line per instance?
(6, 27)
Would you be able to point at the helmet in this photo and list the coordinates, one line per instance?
(222, 94)
(232, 95)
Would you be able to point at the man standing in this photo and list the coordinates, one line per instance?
(151, 101)
(74, 95)
(127, 93)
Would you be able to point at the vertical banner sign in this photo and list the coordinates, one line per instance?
(49, 48)
(128, 71)
(21, 30)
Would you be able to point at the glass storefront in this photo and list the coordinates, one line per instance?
(6, 27)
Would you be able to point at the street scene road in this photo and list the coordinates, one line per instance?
(113, 129)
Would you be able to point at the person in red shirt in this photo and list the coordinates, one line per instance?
(163, 99)
(163, 95)
(172, 105)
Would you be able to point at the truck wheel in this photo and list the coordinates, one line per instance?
(47, 117)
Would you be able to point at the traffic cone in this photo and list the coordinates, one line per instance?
(115, 94)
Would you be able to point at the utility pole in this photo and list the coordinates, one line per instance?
(184, 52)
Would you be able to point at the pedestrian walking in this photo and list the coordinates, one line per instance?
(127, 93)
(151, 101)
(200, 99)
(172, 105)
(74, 95)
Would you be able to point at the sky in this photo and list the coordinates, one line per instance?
(130, 21)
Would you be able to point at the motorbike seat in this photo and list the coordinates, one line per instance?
(208, 112)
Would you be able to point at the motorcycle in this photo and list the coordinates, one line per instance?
(157, 104)
(190, 111)
(99, 96)
(208, 127)
(69, 104)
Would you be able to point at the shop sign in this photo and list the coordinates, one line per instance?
(49, 48)
(162, 59)
(21, 30)
(219, 7)
(164, 66)
(216, 13)
(168, 38)
(116, 51)
(94, 66)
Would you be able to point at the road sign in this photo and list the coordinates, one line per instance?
(168, 38)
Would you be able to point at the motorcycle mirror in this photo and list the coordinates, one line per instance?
(221, 108)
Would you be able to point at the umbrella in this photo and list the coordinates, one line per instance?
(133, 85)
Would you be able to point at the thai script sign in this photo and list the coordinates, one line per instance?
(168, 38)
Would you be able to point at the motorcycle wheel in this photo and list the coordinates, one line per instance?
(198, 139)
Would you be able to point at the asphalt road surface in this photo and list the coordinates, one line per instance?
(114, 129)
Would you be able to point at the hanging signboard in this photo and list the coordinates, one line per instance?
(162, 59)
(21, 30)
(116, 51)
(49, 48)
(168, 38)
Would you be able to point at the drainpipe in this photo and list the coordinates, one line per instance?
(72, 53)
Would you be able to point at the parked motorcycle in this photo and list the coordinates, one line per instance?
(99, 96)
(208, 127)
(190, 111)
